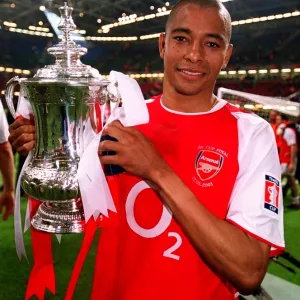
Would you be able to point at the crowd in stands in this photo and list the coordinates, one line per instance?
(273, 87)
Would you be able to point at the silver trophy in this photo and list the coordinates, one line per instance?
(64, 98)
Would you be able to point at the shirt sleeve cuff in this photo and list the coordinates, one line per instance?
(276, 250)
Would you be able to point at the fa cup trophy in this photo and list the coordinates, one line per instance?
(63, 97)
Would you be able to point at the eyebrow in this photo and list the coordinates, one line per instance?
(216, 36)
(188, 31)
(181, 30)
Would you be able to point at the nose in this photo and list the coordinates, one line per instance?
(195, 53)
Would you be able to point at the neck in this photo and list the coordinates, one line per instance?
(201, 102)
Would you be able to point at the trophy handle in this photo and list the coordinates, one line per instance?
(9, 94)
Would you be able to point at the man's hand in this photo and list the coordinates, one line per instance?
(22, 135)
(134, 152)
(7, 201)
(291, 167)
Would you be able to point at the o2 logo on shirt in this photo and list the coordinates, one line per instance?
(161, 226)
(208, 164)
(272, 191)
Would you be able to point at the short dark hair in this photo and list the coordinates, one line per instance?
(284, 117)
(204, 4)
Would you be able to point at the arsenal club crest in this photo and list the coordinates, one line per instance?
(208, 164)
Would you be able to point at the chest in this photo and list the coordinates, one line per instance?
(203, 152)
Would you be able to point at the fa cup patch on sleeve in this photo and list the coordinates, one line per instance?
(272, 190)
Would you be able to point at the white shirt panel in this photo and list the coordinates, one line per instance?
(258, 158)
(4, 133)
(290, 136)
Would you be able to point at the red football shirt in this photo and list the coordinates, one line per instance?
(229, 160)
(287, 140)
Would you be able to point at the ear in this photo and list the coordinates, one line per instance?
(227, 56)
(162, 44)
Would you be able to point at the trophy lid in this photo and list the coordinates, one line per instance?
(67, 65)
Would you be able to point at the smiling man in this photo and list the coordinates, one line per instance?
(200, 208)
(200, 205)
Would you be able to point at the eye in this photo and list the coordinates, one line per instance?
(213, 45)
(180, 38)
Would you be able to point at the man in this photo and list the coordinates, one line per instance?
(288, 155)
(199, 207)
(7, 168)
(272, 118)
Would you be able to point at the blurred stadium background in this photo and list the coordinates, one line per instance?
(122, 35)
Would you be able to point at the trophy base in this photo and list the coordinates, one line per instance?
(60, 217)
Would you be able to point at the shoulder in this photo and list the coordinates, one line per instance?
(253, 132)
(249, 122)
(289, 132)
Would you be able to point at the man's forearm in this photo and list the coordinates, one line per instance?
(7, 166)
(225, 248)
(293, 152)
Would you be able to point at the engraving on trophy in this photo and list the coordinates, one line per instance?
(63, 98)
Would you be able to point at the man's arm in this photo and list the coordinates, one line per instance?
(292, 165)
(7, 170)
(226, 249)
(6, 167)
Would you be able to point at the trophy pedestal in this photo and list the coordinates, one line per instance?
(60, 217)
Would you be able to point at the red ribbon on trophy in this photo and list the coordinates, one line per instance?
(92, 225)
(42, 275)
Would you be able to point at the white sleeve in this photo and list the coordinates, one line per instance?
(256, 204)
(4, 133)
(290, 137)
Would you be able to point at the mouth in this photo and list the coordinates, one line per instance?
(191, 74)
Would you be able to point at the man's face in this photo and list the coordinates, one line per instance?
(278, 119)
(194, 48)
(272, 116)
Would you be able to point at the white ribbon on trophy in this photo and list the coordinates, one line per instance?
(24, 109)
(96, 196)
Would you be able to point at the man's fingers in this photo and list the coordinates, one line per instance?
(23, 139)
(5, 216)
(124, 135)
(26, 148)
(23, 129)
(20, 122)
(111, 160)
(109, 146)
(115, 159)
(115, 132)
(14, 135)
(8, 212)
